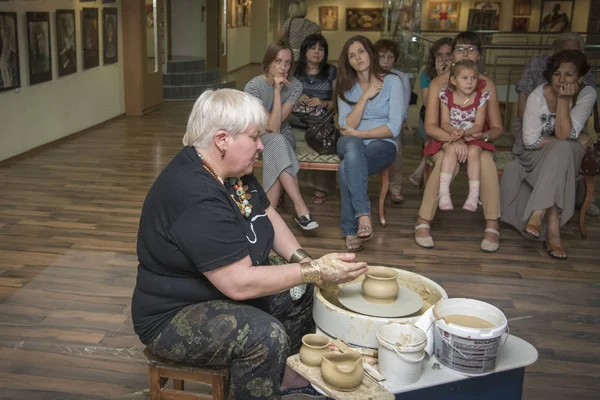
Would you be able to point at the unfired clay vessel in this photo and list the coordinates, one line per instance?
(313, 347)
(380, 285)
(342, 371)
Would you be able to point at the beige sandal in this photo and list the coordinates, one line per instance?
(427, 242)
(490, 247)
(353, 243)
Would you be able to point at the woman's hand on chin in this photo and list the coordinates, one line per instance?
(568, 90)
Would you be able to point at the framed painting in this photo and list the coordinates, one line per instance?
(66, 42)
(520, 24)
(110, 35)
(556, 16)
(40, 50)
(522, 7)
(365, 19)
(593, 27)
(328, 18)
(443, 16)
(10, 73)
(490, 6)
(481, 20)
(89, 38)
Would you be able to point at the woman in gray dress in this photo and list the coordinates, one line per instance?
(538, 187)
(278, 92)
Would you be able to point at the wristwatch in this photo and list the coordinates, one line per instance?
(486, 138)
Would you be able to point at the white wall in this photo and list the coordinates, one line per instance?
(34, 115)
(188, 31)
(259, 29)
(239, 45)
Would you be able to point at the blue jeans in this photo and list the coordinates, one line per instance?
(358, 161)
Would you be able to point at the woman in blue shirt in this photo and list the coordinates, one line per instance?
(368, 102)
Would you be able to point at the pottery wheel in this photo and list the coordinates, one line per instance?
(407, 302)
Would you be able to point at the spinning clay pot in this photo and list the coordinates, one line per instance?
(380, 285)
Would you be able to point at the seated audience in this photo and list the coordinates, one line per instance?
(278, 93)
(466, 46)
(369, 98)
(205, 292)
(538, 187)
(387, 53)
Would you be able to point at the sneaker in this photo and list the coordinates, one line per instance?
(306, 222)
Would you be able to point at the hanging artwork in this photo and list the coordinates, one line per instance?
(66, 47)
(9, 52)
(522, 7)
(556, 16)
(110, 36)
(328, 18)
(90, 42)
(481, 20)
(365, 19)
(40, 54)
(593, 27)
(490, 6)
(520, 24)
(443, 16)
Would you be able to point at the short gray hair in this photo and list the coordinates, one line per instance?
(297, 9)
(224, 109)
(569, 37)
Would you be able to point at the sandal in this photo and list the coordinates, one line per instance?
(365, 231)
(553, 249)
(415, 182)
(426, 243)
(397, 198)
(486, 245)
(353, 243)
(533, 229)
(319, 198)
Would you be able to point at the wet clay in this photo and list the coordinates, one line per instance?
(468, 321)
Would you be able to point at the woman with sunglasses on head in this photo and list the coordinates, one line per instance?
(466, 46)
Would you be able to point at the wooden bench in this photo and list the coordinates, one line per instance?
(161, 369)
(311, 160)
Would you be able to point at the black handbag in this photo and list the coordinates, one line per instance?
(322, 136)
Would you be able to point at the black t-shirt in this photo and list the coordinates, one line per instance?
(191, 225)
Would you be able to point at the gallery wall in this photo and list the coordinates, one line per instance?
(34, 115)
(189, 28)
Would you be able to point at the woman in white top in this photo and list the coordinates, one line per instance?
(538, 187)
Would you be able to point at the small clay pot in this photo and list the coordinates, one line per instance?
(313, 347)
(343, 371)
(380, 285)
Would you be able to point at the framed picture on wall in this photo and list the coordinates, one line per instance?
(593, 27)
(10, 73)
(520, 24)
(110, 35)
(365, 19)
(328, 18)
(481, 20)
(490, 6)
(443, 16)
(108, 1)
(556, 16)
(522, 7)
(89, 38)
(66, 42)
(38, 44)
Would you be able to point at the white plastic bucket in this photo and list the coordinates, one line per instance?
(401, 352)
(469, 351)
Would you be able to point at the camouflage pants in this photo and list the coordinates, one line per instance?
(253, 343)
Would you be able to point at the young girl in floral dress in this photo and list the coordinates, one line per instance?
(462, 116)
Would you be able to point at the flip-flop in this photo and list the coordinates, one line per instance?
(552, 249)
(319, 199)
(397, 198)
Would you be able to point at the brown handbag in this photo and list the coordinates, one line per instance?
(590, 164)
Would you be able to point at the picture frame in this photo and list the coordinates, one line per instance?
(10, 76)
(109, 1)
(520, 24)
(593, 26)
(522, 7)
(489, 6)
(110, 35)
(556, 16)
(39, 47)
(328, 18)
(89, 38)
(443, 16)
(365, 19)
(66, 42)
(481, 20)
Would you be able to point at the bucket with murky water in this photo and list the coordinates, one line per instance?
(469, 335)
(401, 352)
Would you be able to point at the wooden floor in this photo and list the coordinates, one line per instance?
(68, 224)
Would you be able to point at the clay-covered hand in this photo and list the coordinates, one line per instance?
(339, 268)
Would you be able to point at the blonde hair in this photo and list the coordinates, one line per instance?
(224, 109)
(297, 9)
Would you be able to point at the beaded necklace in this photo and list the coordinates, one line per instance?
(240, 189)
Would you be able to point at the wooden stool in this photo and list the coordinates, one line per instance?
(161, 369)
